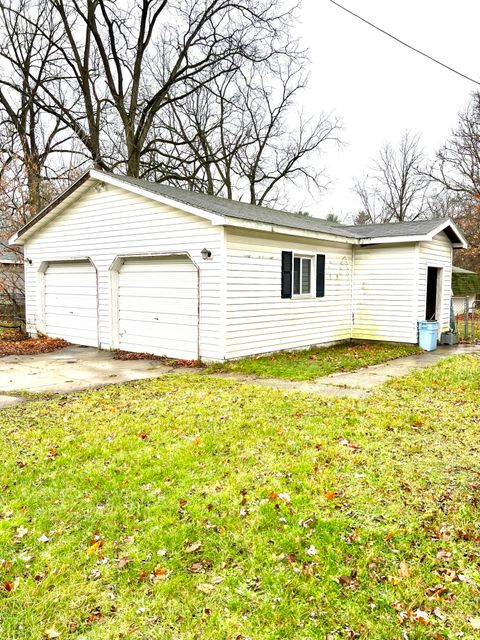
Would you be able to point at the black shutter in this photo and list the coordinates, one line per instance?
(320, 275)
(287, 257)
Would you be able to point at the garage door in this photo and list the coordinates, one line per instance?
(71, 302)
(158, 306)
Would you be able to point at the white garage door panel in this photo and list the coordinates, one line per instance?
(71, 302)
(158, 306)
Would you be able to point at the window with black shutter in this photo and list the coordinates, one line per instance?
(287, 260)
(298, 275)
(320, 284)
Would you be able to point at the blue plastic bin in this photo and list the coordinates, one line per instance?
(428, 335)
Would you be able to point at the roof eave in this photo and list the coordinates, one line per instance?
(426, 237)
(462, 241)
(242, 223)
(393, 240)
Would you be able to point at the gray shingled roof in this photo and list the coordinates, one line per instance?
(392, 229)
(245, 211)
(240, 210)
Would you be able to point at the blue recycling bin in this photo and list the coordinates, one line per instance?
(428, 335)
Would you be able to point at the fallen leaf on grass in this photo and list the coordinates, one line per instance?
(94, 616)
(350, 445)
(122, 562)
(404, 570)
(205, 587)
(390, 535)
(21, 532)
(43, 538)
(474, 622)
(161, 573)
(96, 544)
(11, 585)
(200, 566)
(436, 592)
(419, 616)
(438, 614)
(275, 497)
(348, 581)
(444, 554)
(51, 633)
(192, 548)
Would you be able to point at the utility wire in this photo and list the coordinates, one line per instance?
(405, 44)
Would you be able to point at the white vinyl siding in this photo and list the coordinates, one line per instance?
(112, 222)
(436, 253)
(158, 307)
(384, 293)
(258, 319)
(70, 297)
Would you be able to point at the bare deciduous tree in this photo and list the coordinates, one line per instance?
(115, 68)
(457, 166)
(31, 141)
(198, 93)
(397, 188)
(237, 137)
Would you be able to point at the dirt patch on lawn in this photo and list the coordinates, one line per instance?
(16, 343)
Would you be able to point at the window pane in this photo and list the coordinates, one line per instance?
(306, 263)
(296, 276)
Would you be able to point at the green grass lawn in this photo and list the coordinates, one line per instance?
(316, 362)
(190, 507)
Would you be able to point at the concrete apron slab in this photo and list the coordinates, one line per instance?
(71, 369)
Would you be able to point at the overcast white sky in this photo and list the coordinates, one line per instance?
(379, 88)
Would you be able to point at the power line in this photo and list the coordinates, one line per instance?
(405, 44)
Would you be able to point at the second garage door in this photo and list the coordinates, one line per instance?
(158, 306)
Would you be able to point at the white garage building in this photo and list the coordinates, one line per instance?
(122, 263)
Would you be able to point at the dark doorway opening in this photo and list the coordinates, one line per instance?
(432, 292)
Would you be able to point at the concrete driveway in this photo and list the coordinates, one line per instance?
(70, 369)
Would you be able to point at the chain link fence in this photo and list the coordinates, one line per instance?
(466, 317)
(12, 311)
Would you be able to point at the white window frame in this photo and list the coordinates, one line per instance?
(301, 257)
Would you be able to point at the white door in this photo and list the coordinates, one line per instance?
(71, 302)
(158, 306)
